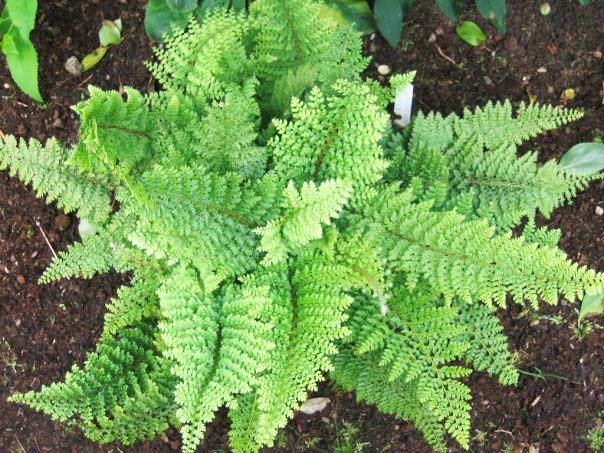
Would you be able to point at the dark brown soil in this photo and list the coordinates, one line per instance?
(44, 330)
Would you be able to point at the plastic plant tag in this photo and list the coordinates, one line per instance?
(402, 105)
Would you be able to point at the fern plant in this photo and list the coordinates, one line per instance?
(278, 231)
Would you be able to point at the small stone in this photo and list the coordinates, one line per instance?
(6, 86)
(58, 124)
(597, 54)
(541, 70)
(62, 222)
(487, 80)
(20, 279)
(439, 31)
(383, 69)
(17, 322)
(325, 420)
(73, 66)
(432, 37)
(534, 322)
(550, 89)
(599, 210)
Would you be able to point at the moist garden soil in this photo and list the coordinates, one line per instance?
(45, 330)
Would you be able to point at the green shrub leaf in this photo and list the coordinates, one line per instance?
(22, 61)
(182, 6)
(389, 19)
(449, 7)
(592, 304)
(584, 159)
(23, 14)
(159, 19)
(495, 11)
(356, 12)
(471, 33)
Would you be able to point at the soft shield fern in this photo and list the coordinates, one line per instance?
(273, 244)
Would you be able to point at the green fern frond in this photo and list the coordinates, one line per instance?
(124, 391)
(51, 173)
(465, 259)
(496, 126)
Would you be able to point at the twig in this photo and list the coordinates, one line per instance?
(83, 82)
(445, 56)
(46, 239)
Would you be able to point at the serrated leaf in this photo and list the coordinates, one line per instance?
(159, 19)
(23, 14)
(495, 11)
(314, 405)
(182, 6)
(584, 159)
(110, 33)
(354, 12)
(449, 7)
(22, 62)
(471, 33)
(389, 19)
(592, 304)
(93, 58)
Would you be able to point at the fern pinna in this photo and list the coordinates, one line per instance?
(278, 230)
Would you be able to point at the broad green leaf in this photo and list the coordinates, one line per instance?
(182, 6)
(22, 62)
(23, 14)
(389, 19)
(592, 304)
(584, 2)
(471, 33)
(495, 11)
(93, 58)
(355, 12)
(584, 159)
(110, 33)
(449, 7)
(5, 23)
(159, 19)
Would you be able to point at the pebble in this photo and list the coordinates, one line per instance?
(597, 54)
(20, 279)
(599, 210)
(17, 322)
(58, 124)
(432, 37)
(73, 66)
(541, 70)
(383, 69)
(487, 80)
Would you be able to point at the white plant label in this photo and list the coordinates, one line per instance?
(402, 105)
